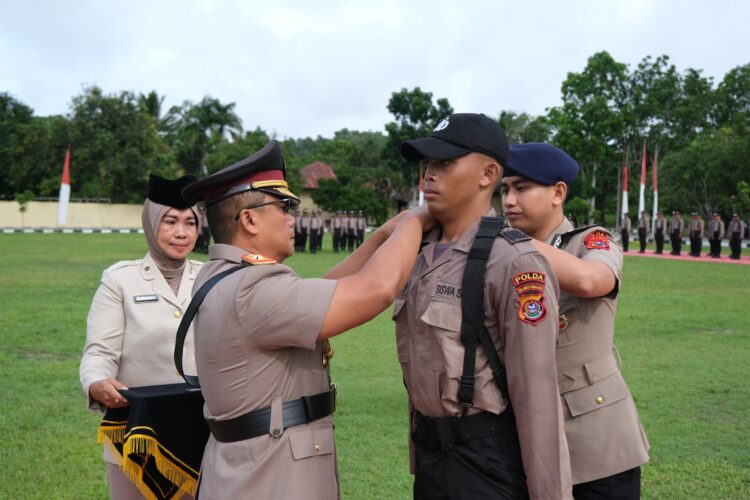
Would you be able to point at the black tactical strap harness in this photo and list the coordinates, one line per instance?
(473, 330)
(445, 432)
(255, 423)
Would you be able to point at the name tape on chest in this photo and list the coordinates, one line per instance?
(138, 299)
(447, 290)
(530, 288)
(597, 240)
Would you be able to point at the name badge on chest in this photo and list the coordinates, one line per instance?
(145, 298)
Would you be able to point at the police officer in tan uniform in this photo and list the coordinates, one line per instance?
(605, 437)
(715, 234)
(131, 326)
(474, 447)
(316, 228)
(696, 234)
(735, 233)
(643, 229)
(676, 226)
(361, 226)
(625, 231)
(336, 226)
(261, 333)
(660, 225)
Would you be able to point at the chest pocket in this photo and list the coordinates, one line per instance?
(594, 385)
(438, 345)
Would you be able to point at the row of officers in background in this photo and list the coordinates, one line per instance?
(695, 229)
(346, 227)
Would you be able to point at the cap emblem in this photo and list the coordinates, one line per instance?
(442, 125)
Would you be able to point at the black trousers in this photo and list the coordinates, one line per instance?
(642, 238)
(303, 240)
(489, 467)
(623, 486)
(625, 239)
(735, 244)
(676, 240)
(659, 239)
(314, 240)
(336, 239)
(696, 242)
(715, 247)
(350, 239)
(360, 237)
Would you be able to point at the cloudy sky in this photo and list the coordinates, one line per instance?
(310, 68)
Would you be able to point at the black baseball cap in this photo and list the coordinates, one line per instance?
(458, 135)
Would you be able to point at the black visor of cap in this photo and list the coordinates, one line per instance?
(431, 147)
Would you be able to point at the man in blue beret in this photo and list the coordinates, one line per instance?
(606, 441)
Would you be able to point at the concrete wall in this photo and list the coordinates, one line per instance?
(80, 215)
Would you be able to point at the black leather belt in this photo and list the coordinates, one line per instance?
(256, 423)
(444, 433)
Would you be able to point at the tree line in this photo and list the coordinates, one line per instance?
(701, 131)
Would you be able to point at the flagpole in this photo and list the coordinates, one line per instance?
(654, 185)
(421, 185)
(64, 196)
(642, 196)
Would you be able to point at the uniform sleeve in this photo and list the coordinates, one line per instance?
(105, 327)
(530, 325)
(599, 246)
(288, 310)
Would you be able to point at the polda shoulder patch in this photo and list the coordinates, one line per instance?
(597, 240)
(514, 235)
(255, 259)
(530, 288)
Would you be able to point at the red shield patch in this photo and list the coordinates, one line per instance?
(530, 288)
(597, 240)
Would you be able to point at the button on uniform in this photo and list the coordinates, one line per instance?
(599, 400)
(177, 314)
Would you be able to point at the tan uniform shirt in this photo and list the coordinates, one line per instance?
(255, 345)
(643, 222)
(316, 222)
(336, 222)
(716, 229)
(428, 330)
(604, 433)
(696, 228)
(361, 223)
(625, 224)
(676, 224)
(131, 328)
(660, 224)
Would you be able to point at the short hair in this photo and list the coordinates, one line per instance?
(221, 215)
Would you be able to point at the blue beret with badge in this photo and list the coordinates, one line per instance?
(542, 163)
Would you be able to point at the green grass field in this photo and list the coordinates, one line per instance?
(682, 331)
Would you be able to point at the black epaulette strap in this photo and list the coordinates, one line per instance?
(560, 240)
(195, 303)
(473, 330)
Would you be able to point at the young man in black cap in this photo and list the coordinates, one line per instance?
(261, 345)
(466, 440)
(676, 226)
(605, 438)
(735, 232)
(696, 234)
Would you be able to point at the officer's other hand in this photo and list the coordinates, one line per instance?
(424, 216)
(105, 391)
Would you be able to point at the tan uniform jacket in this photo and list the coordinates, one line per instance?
(316, 222)
(604, 432)
(625, 224)
(255, 345)
(352, 223)
(428, 329)
(336, 223)
(716, 226)
(361, 223)
(736, 227)
(676, 224)
(696, 226)
(643, 222)
(659, 224)
(131, 328)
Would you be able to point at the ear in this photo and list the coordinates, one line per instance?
(490, 174)
(560, 193)
(249, 222)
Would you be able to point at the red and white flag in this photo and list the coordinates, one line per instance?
(64, 198)
(642, 197)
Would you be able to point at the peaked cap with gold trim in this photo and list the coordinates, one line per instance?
(262, 171)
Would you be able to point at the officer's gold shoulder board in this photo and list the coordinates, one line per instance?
(255, 259)
(530, 288)
(597, 240)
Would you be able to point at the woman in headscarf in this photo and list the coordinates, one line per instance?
(135, 313)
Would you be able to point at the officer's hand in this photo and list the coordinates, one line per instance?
(105, 391)
(424, 216)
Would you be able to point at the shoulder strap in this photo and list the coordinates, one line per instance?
(187, 319)
(473, 330)
(560, 240)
